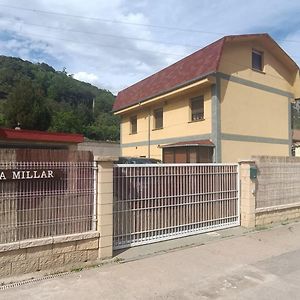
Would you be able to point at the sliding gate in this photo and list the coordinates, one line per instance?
(165, 201)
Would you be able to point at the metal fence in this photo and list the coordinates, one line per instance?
(158, 202)
(35, 204)
(278, 181)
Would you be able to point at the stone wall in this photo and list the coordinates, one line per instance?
(272, 197)
(61, 252)
(263, 218)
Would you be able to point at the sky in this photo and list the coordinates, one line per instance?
(115, 43)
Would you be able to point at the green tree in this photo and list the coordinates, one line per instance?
(66, 121)
(35, 94)
(27, 106)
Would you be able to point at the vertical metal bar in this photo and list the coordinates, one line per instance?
(238, 194)
(95, 170)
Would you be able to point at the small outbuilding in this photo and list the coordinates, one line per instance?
(33, 139)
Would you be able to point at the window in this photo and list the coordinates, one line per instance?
(158, 118)
(197, 108)
(133, 125)
(257, 60)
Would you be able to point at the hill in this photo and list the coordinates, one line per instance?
(36, 96)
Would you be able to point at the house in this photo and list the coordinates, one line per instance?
(227, 101)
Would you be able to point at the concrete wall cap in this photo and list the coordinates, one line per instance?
(278, 207)
(246, 161)
(30, 243)
(106, 158)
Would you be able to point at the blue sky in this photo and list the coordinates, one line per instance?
(114, 43)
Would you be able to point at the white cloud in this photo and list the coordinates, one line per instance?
(87, 77)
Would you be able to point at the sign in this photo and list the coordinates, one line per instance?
(46, 174)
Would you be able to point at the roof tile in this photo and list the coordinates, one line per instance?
(194, 66)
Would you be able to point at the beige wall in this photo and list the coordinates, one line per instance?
(176, 119)
(233, 151)
(237, 60)
(101, 148)
(249, 111)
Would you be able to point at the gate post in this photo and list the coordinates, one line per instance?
(105, 205)
(247, 194)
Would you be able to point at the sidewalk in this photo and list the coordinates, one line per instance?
(232, 264)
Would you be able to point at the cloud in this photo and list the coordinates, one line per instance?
(87, 77)
(98, 42)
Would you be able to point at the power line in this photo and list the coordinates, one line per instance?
(109, 21)
(105, 46)
(125, 23)
(106, 34)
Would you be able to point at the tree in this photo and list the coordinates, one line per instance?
(66, 121)
(39, 97)
(27, 106)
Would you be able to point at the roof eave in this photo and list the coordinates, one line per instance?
(180, 86)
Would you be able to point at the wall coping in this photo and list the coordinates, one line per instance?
(106, 158)
(246, 161)
(278, 207)
(30, 243)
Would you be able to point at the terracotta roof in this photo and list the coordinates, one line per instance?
(194, 66)
(39, 136)
(191, 68)
(208, 143)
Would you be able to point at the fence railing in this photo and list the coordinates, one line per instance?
(34, 204)
(155, 202)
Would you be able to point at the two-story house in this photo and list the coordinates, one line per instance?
(225, 102)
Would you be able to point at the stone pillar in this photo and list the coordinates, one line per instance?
(247, 194)
(105, 205)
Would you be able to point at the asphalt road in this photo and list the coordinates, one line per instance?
(258, 265)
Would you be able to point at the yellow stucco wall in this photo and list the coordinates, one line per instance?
(250, 111)
(176, 119)
(234, 151)
(237, 60)
(155, 151)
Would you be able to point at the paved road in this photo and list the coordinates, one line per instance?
(259, 265)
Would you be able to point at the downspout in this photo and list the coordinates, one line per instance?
(216, 119)
(290, 120)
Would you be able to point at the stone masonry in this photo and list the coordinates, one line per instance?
(71, 251)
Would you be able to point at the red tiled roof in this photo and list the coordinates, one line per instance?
(192, 67)
(39, 136)
(190, 143)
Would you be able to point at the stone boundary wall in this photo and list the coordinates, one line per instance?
(70, 251)
(276, 216)
(67, 252)
(272, 197)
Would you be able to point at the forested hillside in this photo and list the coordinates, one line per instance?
(38, 97)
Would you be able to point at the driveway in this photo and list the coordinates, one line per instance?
(259, 265)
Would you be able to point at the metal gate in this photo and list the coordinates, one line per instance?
(166, 201)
